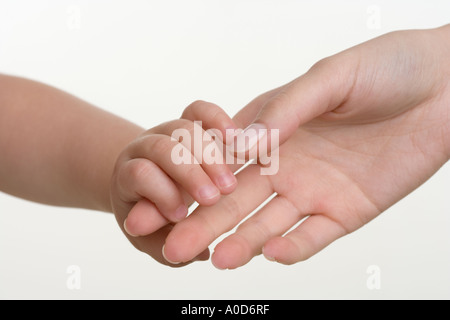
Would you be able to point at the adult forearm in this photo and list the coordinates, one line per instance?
(55, 148)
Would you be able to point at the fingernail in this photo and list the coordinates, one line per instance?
(270, 258)
(208, 192)
(164, 255)
(180, 213)
(226, 180)
(248, 138)
(125, 227)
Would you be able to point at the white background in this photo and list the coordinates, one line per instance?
(146, 61)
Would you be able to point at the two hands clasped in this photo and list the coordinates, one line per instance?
(357, 132)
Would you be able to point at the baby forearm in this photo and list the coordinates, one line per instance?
(55, 148)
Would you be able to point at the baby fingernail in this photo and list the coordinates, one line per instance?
(208, 192)
(226, 180)
(125, 227)
(164, 255)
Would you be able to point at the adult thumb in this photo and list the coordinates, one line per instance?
(322, 89)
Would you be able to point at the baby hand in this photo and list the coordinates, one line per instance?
(158, 175)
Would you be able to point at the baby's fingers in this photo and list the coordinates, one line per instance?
(140, 178)
(164, 152)
(212, 117)
(215, 119)
(191, 145)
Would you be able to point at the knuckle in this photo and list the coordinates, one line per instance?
(193, 107)
(218, 115)
(160, 146)
(187, 124)
(184, 125)
(279, 101)
(321, 64)
(139, 169)
(197, 104)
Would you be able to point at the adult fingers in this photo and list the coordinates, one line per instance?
(274, 219)
(311, 236)
(153, 244)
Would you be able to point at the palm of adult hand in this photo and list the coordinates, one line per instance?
(343, 176)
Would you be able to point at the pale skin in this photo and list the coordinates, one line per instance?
(359, 131)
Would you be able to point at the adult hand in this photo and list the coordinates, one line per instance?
(361, 130)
